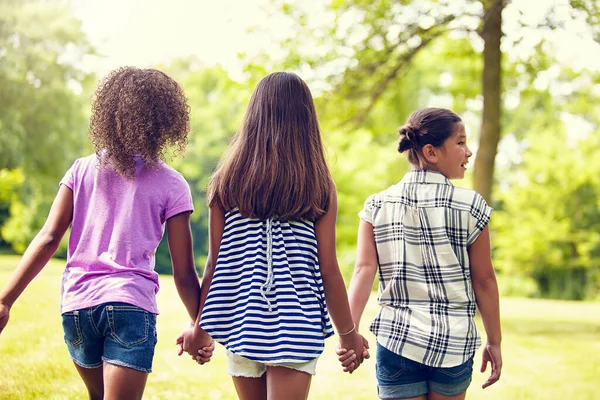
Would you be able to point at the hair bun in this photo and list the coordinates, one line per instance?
(408, 138)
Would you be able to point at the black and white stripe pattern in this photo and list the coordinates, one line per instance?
(423, 227)
(266, 300)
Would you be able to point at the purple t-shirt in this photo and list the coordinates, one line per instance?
(117, 226)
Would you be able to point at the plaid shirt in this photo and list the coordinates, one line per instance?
(423, 227)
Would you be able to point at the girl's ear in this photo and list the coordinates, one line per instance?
(430, 154)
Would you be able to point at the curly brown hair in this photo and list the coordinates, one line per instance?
(138, 112)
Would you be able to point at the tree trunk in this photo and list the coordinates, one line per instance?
(489, 137)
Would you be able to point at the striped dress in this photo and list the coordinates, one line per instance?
(266, 300)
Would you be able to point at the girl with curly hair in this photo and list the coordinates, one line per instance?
(117, 202)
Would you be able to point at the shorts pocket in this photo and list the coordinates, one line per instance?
(455, 372)
(389, 365)
(128, 324)
(72, 329)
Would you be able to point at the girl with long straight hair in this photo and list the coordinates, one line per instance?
(272, 264)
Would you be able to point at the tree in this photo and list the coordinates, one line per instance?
(42, 124)
(550, 217)
(547, 221)
(217, 104)
(370, 46)
(489, 137)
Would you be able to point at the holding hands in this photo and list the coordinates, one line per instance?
(197, 343)
(352, 350)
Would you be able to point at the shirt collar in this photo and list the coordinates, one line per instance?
(425, 176)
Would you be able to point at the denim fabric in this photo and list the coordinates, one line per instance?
(116, 333)
(399, 377)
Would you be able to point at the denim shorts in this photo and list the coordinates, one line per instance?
(398, 377)
(116, 333)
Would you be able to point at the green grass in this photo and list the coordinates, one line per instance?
(551, 350)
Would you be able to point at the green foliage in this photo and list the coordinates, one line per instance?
(591, 11)
(10, 180)
(360, 167)
(517, 285)
(42, 126)
(364, 159)
(365, 54)
(39, 42)
(217, 105)
(549, 223)
(379, 61)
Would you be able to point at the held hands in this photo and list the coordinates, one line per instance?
(352, 351)
(491, 354)
(197, 343)
(4, 315)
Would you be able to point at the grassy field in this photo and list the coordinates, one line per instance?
(551, 350)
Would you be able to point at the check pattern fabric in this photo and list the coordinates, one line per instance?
(423, 227)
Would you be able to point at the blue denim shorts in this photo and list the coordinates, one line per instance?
(116, 333)
(398, 377)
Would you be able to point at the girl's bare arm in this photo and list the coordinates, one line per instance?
(335, 289)
(39, 252)
(195, 341)
(486, 293)
(179, 236)
(216, 225)
(365, 269)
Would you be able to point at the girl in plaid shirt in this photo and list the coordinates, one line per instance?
(430, 243)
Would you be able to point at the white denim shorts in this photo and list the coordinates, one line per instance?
(243, 367)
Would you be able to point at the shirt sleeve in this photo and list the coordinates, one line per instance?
(479, 217)
(366, 214)
(180, 198)
(69, 178)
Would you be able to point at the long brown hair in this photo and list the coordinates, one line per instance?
(275, 166)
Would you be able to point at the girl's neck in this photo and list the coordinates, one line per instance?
(423, 167)
(426, 168)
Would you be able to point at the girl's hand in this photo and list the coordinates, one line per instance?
(347, 359)
(197, 343)
(357, 345)
(183, 338)
(4, 315)
(365, 348)
(205, 353)
(491, 354)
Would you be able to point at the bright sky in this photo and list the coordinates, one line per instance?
(148, 32)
